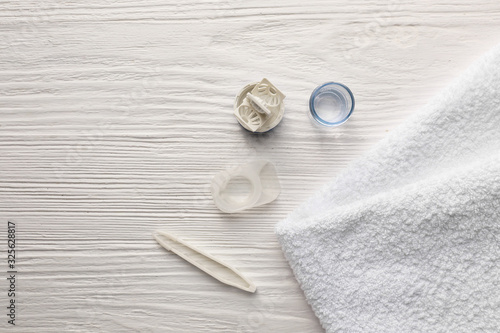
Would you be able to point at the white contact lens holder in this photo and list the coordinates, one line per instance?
(259, 106)
(263, 180)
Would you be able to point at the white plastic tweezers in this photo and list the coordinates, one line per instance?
(204, 261)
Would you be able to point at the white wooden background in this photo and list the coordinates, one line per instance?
(115, 115)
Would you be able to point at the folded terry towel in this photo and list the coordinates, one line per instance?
(407, 239)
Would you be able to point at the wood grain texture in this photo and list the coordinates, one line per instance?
(115, 115)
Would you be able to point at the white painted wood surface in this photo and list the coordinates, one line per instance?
(115, 115)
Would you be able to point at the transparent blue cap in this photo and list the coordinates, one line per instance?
(331, 104)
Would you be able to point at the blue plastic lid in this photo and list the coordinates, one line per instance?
(331, 104)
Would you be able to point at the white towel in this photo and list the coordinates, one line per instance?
(407, 239)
